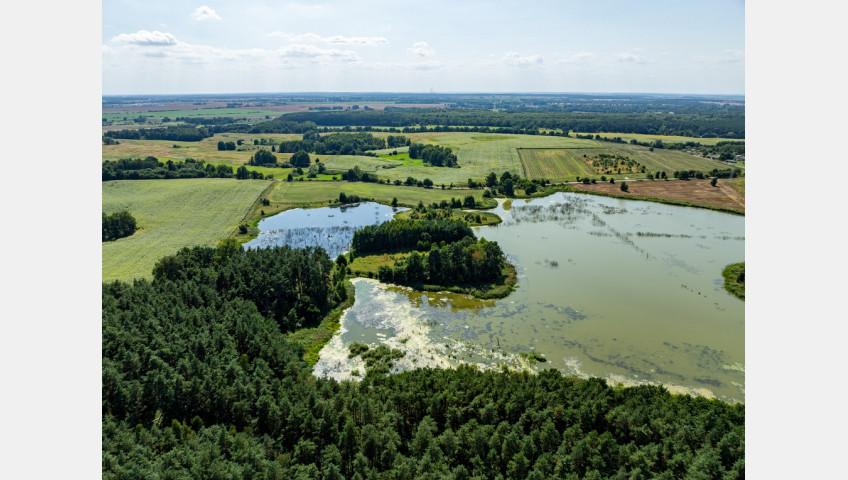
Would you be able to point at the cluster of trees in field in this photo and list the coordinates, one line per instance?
(716, 173)
(435, 155)
(222, 145)
(356, 174)
(294, 287)
(728, 123)
(198, 383)
(394, 141)
(333, 144)
(150, 168)
(465, 262)
(118, 225)
(404, 234)
(181, 133)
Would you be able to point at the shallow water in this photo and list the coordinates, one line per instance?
(328, 227)
(626, 290)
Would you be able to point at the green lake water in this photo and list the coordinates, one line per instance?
(625, 290)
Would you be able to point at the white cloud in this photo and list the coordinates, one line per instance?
(513, 58)
(334, 39)
(421, 49)
(205, 13)
(145, 38)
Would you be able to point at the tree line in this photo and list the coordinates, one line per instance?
(182, 133)
(198, 383)
(150, 168)
(728, 123)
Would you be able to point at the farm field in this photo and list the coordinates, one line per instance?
(693, 191)
(343, 163)
(206, 149)
(567, 164)
(192, 113)
(553, 163)
(296, 194)
(172, 214)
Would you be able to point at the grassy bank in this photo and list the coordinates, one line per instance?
(734, 279)
(313, 339)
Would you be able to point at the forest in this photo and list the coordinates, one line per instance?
(200, 381)
(404, 234)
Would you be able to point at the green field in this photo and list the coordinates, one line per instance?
(343, 163)
(554, 163)
(295, 194)
(477, 153)
(567, 164)
(206, 149)
(170, 215)
(200, 112)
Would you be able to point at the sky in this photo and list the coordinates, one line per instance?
(210, 46)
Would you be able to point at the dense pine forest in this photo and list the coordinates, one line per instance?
(200, 381)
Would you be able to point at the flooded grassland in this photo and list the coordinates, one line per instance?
(624, 290)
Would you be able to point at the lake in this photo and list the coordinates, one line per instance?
(625, 290)
(328, 227)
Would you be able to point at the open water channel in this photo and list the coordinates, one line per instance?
(625, 290)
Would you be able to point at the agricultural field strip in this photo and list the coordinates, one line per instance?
(658, 160)
(303, 193)
(172, 214)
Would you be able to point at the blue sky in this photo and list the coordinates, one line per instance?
(209, 46)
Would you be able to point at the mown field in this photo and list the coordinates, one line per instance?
(296, 194)
(553, 164)
(568, 163)
(172, 214)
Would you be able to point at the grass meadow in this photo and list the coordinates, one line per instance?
(285, 195)
(172, 214)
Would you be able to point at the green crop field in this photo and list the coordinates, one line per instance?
(172, 214)
(295, 194)
(554, 163)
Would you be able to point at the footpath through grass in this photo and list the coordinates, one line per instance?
(172, 214)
